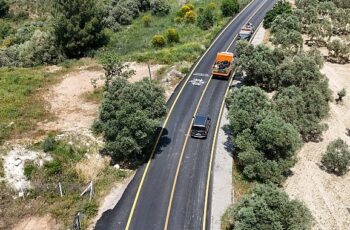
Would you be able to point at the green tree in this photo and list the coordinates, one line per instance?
(276, 138)
(172, 35)
(271, 151)
(337, 157)
(4, 8)
(281, 7)
(129, 116)
(341, 94)
(259, 63)
(338, 50)
(268, 207)
(113, 68)
(247, 107)
(158, 41)
(229, 7)
(160, 7)
(78, 26)
(206, 19)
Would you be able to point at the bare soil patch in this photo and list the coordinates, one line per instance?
(38, 223)
(326, 195)
(66, 103)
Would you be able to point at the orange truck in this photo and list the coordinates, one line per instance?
(223, 64)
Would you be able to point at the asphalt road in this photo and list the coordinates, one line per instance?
(172, 192)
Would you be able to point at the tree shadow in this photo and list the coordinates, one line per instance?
(228, 144)
(151, 150)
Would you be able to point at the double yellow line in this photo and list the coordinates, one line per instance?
(186, 139)
(217, 131)
(213, 144)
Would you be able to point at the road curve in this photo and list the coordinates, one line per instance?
(169, 191)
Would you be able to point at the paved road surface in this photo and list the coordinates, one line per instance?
(172, 193)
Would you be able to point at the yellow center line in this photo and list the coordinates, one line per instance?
(167, 118)
(218, 126)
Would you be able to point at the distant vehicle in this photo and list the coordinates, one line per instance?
(200, 127)
(223, 64)
(246, 32)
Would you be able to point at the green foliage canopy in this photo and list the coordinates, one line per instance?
(78, 26)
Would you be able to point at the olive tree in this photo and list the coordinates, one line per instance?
(247, 107)
(267, 207)
(129, 116)
(281, 7)
(337, 157)
(259, 63)
(338, 51)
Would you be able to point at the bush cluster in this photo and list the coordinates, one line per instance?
(4, 8)
(187, 14)
(229, 7)
(337, 157)
(265, 142)
(302, 91)
(129, 116)
(171, 36)
(40, 49)
(281, 7)
(267, 207)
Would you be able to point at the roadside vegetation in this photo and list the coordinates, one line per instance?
(34, 35)
(43, 197)
(282, 106)
(267, 207)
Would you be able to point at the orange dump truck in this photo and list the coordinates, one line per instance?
(223, 64)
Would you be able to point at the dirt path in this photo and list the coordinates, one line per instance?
(326, 195)
(66, 103)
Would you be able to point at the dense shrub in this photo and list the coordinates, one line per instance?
(337, 157)
(206, 19)
(49, 143)
(5, 29)
(268, 207)
(4, 8)
(172, 35)
(122, 12)
(29, 169)
(41, 48)
(129, 116)
(247, 107)
(160, 7)
(78, 26)
(184, 9)
(190, 17)
(146, 20)
(53, 168)
(260, 63)
(339, 50)
(229, 7)
(158, 41)
(281, 7)
(270, 153)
